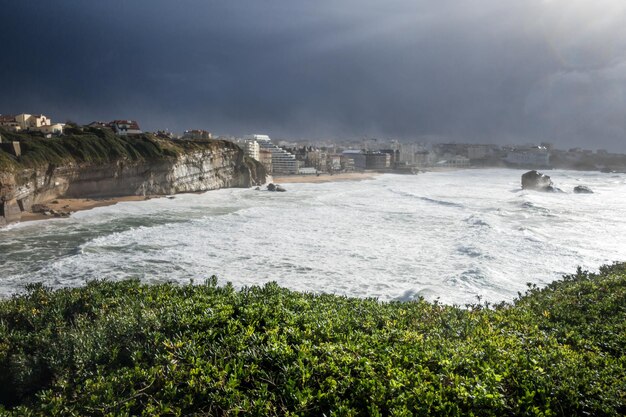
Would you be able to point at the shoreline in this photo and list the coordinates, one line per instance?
(73, 205)
(65, 207)
(322, 178)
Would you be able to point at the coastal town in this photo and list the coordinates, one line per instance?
(286, 157)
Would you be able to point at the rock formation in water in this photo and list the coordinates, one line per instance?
(275, 187)
(98, 165)
(582, 189)
(533, 180)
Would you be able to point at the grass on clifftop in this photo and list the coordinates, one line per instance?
(91, 145)
(131, 349)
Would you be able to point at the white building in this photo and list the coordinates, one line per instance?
(308, 171)
(416, 154)
(283, 162)
(334, 162)
(197, 134)
(533, 156)
(52, 129)
(480, 151)
(265, 158)
(456, 161)
(252, 149)
(423, 158)
(31, 122)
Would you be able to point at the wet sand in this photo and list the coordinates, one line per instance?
(350, 176)
(71, 205)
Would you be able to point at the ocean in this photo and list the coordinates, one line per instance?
(456, 237)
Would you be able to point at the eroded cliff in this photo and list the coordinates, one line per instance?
(163, 167)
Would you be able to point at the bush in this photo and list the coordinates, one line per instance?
(130, 349)
(86, 145)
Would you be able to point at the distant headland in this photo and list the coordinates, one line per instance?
(98, 162)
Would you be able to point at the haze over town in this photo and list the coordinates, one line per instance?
(472, 71)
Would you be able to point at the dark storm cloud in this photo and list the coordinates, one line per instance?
(487, 71)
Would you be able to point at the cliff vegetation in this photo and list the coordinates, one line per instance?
(94, 146)
(118, 349)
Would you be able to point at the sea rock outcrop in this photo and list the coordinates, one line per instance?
(216, 164)
(534, 180)
(275, 187)
(582, 189)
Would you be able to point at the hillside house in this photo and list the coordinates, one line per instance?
(9, 123)
(98, 124)
(52, 129)
(31, 122)
(197, 134)
(125, 127)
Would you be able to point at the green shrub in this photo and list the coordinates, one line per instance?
(88, 145)
(130, 349)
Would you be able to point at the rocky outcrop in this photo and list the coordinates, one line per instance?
(582, 189)
(533, 180)
(275, 187)
(214, 165)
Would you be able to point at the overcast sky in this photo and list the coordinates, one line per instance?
(489, 71)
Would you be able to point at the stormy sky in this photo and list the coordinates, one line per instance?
(488, 71)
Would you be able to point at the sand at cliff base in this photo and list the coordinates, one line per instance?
(79, 204)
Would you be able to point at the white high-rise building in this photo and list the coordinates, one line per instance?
(252, 149)
(283, 162)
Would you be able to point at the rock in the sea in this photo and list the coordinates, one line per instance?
(533, 180)
(582, 189)
(275, 187)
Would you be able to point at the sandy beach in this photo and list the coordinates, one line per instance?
(71, 205)
(350, 176)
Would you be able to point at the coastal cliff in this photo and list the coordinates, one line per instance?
(97, 164)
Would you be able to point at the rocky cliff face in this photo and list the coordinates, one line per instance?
(219, 165)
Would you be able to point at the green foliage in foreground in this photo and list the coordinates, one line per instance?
(131, 349)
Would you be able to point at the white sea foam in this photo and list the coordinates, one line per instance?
(452, 236)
